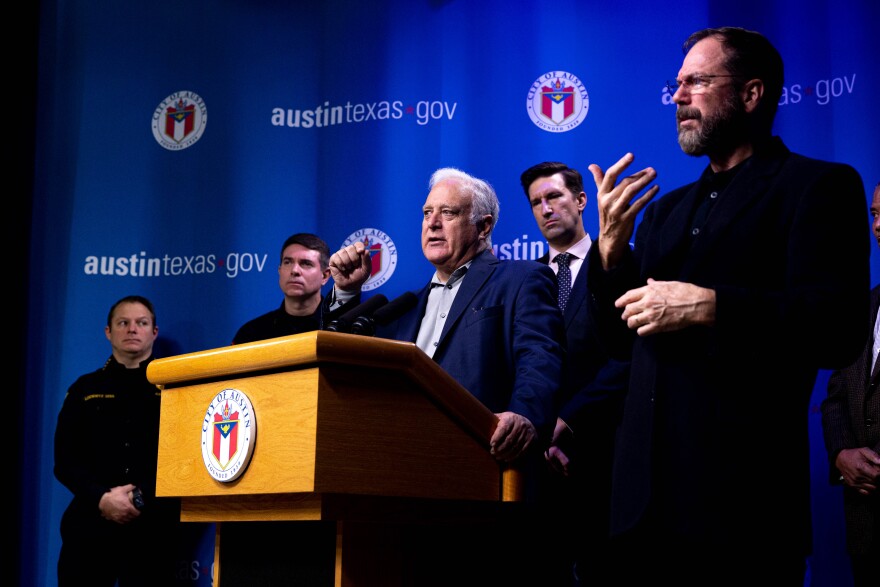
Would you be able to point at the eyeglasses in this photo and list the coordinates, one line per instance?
(693, 83)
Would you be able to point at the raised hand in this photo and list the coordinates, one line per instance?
(351, 266)
(619, 206)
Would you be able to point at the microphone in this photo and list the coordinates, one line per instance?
(387, 314)
(344, 322)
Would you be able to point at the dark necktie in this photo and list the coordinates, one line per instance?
(563, 276)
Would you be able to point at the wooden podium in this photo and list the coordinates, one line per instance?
(368, 433)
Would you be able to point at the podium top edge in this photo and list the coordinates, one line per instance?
(278, 353)
(321, 347)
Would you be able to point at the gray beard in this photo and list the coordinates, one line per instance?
(717, 132)
(692, 142)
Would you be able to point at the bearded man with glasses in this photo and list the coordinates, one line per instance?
(739, 288)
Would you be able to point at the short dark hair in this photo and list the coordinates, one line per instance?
(572, 177)
(750, 55)
(132, 300)
(309, 241)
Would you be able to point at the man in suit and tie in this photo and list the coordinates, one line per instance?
(851, 426)
(494, 326)
(594, 385)
(738, 289)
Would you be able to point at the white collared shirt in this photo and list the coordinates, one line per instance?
(578, 253)
(440, 300)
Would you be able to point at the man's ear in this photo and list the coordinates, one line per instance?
(752, 93)
(484, 226)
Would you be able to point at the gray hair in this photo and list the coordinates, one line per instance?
(484, 201)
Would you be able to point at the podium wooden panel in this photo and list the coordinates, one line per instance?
(358, 430)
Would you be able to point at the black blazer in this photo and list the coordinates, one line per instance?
(851, 419)
(594, 383)
(716, 417)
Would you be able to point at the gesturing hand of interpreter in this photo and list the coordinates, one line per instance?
(665, 306)
(350, 266)
(116, 506)
(619, 204)
(512, 436)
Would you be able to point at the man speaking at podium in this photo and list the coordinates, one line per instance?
(495, 327)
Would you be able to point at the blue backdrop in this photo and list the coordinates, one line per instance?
(179, 144)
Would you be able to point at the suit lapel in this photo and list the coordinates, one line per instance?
(876, 372)
(674, 231)
(875, 304)
(408, 325)
(478, 273)
(578, 295)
